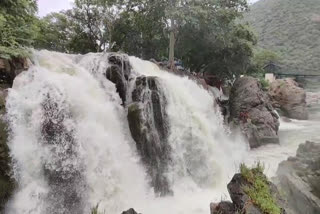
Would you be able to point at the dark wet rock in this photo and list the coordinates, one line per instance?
(287, 95)
(251, 109)
(149, 128)
(118, 72)
(241, 201)
(7, 184)
(224, 207)
(130, 211)
(10, 68)
(299, 179)
(63, 172)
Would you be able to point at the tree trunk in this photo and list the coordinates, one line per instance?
(172, 44)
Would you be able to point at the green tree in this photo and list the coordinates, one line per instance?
(17, 24)
(141, 30)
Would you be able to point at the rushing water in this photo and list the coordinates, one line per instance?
(292, 134)
(72, 148)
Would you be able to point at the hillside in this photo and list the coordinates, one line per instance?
(291, 28)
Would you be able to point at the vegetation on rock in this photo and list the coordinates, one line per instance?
(258, 189)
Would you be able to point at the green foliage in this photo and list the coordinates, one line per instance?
(17, 24)
(258, 189)
(261, 58)
(290, 28)
(265, 84)
(95, 210)
(208, 38)
(143, 31)
(223, 49)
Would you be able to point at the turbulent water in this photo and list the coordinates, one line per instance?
(72, 149)
(291, 134)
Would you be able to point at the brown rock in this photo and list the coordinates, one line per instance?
(290, 98)
(251, 109)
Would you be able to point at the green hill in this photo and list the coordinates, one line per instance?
(290, 28)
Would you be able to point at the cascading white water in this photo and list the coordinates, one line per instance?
(111, 175)
(94, 150)
(204, 157)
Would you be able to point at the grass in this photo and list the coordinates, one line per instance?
(95, 210)
(258, 189)
(265, 84)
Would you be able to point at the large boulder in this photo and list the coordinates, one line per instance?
(148, 124)
(250, 108)
(290, 98)
(10, 68)
(118, 72)
(299, 179)
(251, 193)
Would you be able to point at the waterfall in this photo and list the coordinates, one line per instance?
(72, 148)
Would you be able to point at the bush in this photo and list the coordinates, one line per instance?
(258, 189)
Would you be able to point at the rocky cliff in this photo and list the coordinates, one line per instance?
(251, 109)
(299, 179)
(289, 98)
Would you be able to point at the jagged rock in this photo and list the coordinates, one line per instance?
(149, 128)
(118, 72)
(130, 211)
(10, 68)
(299, 179)
(224, 207)
(6, 182)
(241, 201)
(250, 107)
(290, 98)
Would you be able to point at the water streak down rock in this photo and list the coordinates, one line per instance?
(6, 182)
(61, 170)
(148, 125)
(251, 108)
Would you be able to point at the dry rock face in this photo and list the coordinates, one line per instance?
(299, 179)
(290, 98)
(251, 108)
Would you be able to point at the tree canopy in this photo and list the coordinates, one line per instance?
(205, 34)
(17, 24)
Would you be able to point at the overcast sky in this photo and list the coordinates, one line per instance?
(48, 6)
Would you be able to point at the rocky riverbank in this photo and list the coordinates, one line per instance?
(299, 179)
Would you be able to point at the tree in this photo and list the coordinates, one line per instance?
(96, 18)
(141, 30)
(17, 24)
